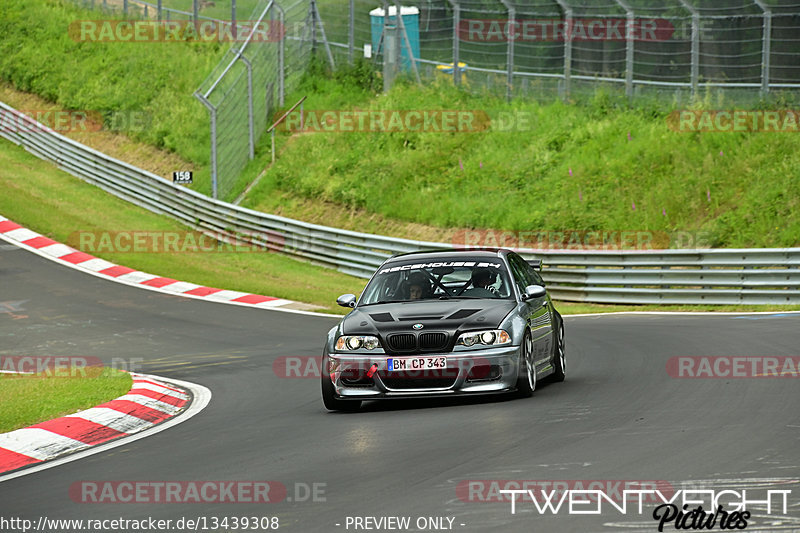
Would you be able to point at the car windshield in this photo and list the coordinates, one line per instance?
(438, 280)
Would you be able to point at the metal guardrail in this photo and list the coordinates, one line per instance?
(705, 276)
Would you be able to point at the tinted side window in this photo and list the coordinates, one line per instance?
(534, 275)
(520, 271)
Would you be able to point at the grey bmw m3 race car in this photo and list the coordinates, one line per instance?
(444, 323)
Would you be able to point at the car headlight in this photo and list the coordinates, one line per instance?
(357, 342)
(489, 337)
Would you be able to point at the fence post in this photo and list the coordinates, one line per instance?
(765, 46)
(234, 28)
(389, 49)
(213, 111)
(281, 59)
(456, 43)
(316, 19)
(567, 47)
(510, 48)
(402, 27)
(250, 115)
(629, 41)
(351, 32)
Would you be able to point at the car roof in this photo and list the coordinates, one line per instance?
(450, 253)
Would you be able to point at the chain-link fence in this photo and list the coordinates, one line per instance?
(242, 92)
(543, 46)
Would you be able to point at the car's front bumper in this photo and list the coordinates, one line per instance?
(491, 370)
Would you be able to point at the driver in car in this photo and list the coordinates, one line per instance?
(418, 286)
(482, 280)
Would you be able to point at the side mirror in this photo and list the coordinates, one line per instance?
(347, 300)
(533, 291)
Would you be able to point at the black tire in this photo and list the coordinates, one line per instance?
(559, 358)
(329, 399)
(526, 379)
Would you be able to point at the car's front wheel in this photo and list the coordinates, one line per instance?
(526, 378)
(329, 399)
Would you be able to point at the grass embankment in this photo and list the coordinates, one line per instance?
(600, 165)
(152, 81)
(30, 399)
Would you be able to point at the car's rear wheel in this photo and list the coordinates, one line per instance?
(559, 359)
(526, 378)
(329, 399)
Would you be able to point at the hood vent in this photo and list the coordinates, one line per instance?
(382, 317)
(419, 318)
(462, 313)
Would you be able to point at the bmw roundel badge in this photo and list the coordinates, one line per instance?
(417, 326)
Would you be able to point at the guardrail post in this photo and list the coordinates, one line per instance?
(125, 7)
(510, 24)
(195, 10)
(159, 9)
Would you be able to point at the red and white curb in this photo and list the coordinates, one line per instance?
(15, 234)
(149, 402)
(106, 426)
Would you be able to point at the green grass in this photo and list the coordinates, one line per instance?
(30, 399)
(156, 79)
(573, 168)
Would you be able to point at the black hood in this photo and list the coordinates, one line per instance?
(448, 316)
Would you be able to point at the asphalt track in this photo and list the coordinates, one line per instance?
(619, 415)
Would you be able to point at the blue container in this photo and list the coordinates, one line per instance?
(410, 21)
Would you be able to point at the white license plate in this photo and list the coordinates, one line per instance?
(416, 363)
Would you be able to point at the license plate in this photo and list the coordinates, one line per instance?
(416, 363)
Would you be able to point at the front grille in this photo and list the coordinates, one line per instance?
(432, 341)
(402, 342)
